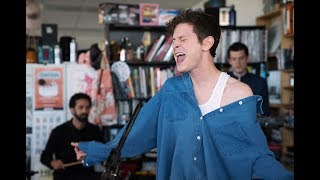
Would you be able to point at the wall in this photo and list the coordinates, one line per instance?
(247, 11)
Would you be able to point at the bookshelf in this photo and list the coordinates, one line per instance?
(146, 77)
(281, 61)
(255, 37)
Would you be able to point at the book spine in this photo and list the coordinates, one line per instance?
(155, 48)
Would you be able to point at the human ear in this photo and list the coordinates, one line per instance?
(207, 43)
(72, 111)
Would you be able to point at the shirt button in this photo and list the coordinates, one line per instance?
(220, 109)
(195, 158)
(201, 117)
(198, 137)
(240, 102)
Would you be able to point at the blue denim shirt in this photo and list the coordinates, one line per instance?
(227, 143)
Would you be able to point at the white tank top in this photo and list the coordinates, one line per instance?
(216, 96)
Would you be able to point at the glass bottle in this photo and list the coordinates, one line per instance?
(232, 16)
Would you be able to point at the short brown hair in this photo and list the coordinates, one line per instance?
(204, 25)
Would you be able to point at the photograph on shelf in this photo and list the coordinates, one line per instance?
(165, 15)
(149, 14)
(114, 13)
(224, 18)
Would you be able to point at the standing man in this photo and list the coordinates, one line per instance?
(203, 122)
(238, 57)
(58, 152)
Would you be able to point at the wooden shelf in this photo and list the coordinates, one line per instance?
(288, 87)
(270, 15)
(144, 63)
(275, 105)
(135, 98)
(267, 19)
(124, 27)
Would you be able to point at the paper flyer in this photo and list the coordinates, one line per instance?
(48, 86)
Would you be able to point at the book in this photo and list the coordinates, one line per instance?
(169, 55)
(158, 42)
(131, 92)
(152, 83)
(163, 49)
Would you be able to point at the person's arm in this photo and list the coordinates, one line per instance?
(267, 167)
(46, 157)
(47, 154)
(141, 138)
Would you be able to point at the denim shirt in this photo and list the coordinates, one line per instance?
(227, 143)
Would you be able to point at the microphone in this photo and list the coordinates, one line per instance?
(112, 163)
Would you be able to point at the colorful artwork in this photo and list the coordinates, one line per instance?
(48, 88)
(149, 14)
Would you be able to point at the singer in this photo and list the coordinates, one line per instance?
(202, 122)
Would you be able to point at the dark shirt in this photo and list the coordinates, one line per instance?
(59, 145)
(259, 87)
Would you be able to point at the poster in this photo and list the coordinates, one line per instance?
(98, 85)
(48, 85)
(80, 78)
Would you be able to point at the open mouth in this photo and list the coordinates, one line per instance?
(180, 57)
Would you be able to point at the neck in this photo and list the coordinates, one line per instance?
(204, 76)
(204, 72)
(204, 80)
(77, 124)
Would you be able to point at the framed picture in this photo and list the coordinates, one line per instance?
(149, 14)
(115, 13)
(166, 15)
(224, 18)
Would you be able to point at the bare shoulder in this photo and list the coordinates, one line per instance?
(234, 91)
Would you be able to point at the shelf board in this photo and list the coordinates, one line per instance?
(270, 15)
(135, 98)
(275, 105)
(125, 27)
(288, 70)
(288, 35)
(288, 105)
(243, 27)
(144, 63)
(288, 87)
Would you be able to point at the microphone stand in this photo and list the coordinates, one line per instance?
(113, 161)
(30, 173)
